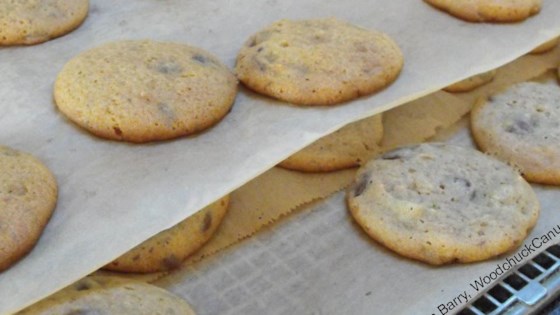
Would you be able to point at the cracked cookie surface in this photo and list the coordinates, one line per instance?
(345, 148)
(142, 91)
(318, 62)
(27, 22)
(28, 194)
(521, 125)
(168, 249)
(103, 295)
(440, 203)
(489, 10)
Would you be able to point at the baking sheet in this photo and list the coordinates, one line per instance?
(115, 195)
(319, 261)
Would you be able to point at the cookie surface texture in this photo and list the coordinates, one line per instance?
(141, 91)
(28, 193)
(168, 249)
(489, 10)
(102, 295)
(27, 22)
(345, 148)
(439, 203)
(471, 83)
(521, 125)
(318, 62)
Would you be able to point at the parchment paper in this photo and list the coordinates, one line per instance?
(278, 192)
(114, 195)
(320, 262)
(421, 118)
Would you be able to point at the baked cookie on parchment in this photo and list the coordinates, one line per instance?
(345, 148)
(439, 203)
(471, 83)
(102, 295)
(318, 62)
(26, 22)
(28, 194)
(489, 10)
(168, 249)
(521, 125)
(141, 91)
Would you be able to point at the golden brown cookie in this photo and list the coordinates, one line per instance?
(546, 47)
(142, 91)
(28, 194)
(168, 249)
(102, 295)
(35, 21)
(489, 10)
(521, 125)
(345, 148)
(439, 203)
(318, 62)
(471, 83)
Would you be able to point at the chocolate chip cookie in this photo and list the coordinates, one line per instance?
(26, 22)
(102, 295)
(318, 62)
(521, 125)
(167, 250)
(440, 203)
(489, 10)
(142, 91)
(28, 194)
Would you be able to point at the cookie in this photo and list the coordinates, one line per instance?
(28, 193)
(439, 203)
(318, 62)
(546, 47)
(142, 91)
(345, 148)
(521, 125)
(27, 22)
(168, 249)
(471, 83)
(102, 295)
(489, 10)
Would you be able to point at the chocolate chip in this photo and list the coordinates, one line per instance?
(166, 111)
(118, 131)
(252, 42)
(361, 185)
(82, 286)
(207, 223)
(398, 154)
(135, 258)
(200, 58)
(169, 68)
(462, 180)
(391, 156)
(260, 64)
(171, 262)
(260, 49)
(520, 127)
